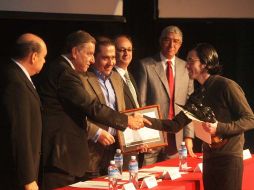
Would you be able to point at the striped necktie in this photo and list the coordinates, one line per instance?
(131, 88)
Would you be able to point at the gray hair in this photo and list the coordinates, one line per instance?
(171, 29)
(76, 39)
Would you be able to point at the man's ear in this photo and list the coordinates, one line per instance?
(74, 52)
(34, 57)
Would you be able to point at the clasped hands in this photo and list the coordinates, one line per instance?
(136, 121)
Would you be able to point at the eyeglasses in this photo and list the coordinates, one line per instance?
(122, 50)
(191, 61)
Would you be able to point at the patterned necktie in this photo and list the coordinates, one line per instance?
(171, 85)
(131, 88)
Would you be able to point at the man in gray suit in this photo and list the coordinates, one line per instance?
(154, 86)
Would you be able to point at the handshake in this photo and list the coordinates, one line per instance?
(136, 121)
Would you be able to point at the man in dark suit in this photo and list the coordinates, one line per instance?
(66, 104)
(154, 85)
(20, 115)
(124, 50)
(107, 87)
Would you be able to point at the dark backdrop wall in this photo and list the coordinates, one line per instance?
(233, 38)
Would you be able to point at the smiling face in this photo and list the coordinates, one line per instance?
(170, 44)
(123, 52)
(83, 56)
(105, 59)
(195, 68)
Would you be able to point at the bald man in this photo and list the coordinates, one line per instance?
(20, 115)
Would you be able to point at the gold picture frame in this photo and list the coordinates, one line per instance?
(131, 140)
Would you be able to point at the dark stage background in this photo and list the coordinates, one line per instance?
(233, 38)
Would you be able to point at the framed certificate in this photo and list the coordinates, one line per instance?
(130, 140)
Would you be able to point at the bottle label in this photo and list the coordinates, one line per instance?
(133, 167)
(118, 159)
(113, 173)
(184, 152)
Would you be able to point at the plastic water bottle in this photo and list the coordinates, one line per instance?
(183, 158)
(133, 171)
(113, 174)
(119, 160)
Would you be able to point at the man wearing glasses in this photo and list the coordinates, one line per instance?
(123, 59)
(163, 79)
(124, 50)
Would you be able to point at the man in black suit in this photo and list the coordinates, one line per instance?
(66, 104)
(124, 50)
(20, 115)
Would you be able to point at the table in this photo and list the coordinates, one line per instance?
(191, 180)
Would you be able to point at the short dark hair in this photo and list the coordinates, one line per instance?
(209, 57)
(76, 39)
(104, 42)
(23, 48)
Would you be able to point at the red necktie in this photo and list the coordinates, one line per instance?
(171, 85)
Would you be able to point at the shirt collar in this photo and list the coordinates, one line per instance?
(121, 71)
(23, 69)
(69, 61)
(100, 75)
(165, 60)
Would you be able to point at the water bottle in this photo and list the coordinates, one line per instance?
(119, 160)
(183, 158)
(133, 171)
(113, 174)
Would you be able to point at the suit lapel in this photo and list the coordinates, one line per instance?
(118, 88)
(94, 83)
(32, 89)
(128, 93)
(26, 80)
(158, 67)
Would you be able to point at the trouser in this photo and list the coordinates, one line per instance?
(223, 173)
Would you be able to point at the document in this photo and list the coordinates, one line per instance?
(157, 169)
(200, 132)
(93, 184)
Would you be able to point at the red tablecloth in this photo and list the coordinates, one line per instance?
(191, 180)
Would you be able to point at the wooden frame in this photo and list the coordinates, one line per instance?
(131, 140)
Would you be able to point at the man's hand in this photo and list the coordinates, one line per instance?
(189, 145)
(137, 121)
(210, 127)
(31, 186)
(106, 138)
(144, 148)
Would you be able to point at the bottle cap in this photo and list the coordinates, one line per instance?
(183, 143)
(133, 157)
(118, 151)
(112, 162)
